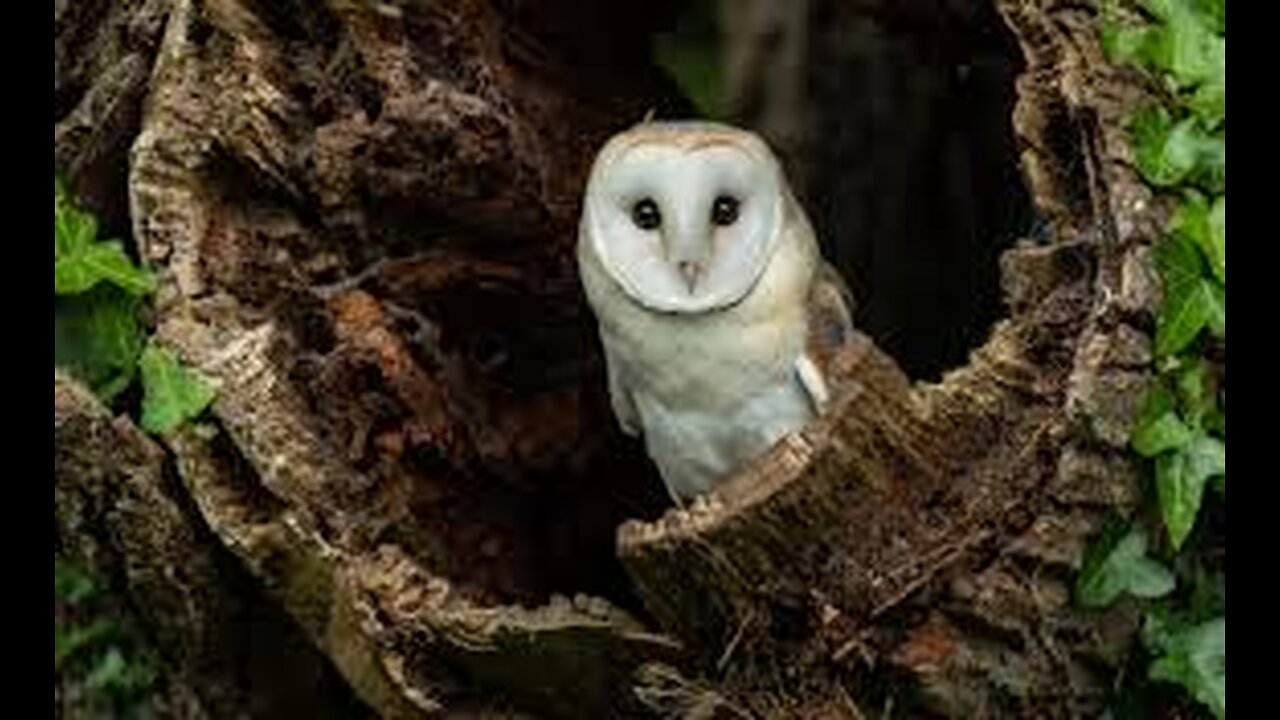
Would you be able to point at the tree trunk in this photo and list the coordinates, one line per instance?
(365, 214)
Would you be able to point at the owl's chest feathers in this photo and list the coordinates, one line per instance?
(716, 363)
(711, 392)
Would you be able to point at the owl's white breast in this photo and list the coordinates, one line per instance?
(716, 388)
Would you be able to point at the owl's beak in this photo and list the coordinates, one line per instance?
(691, 272)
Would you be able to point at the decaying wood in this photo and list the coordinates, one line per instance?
(365, 212)
(119, 508)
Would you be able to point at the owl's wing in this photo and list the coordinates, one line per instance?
(624, 407)
(830, 319)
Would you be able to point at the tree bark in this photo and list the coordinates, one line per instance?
(365, 215)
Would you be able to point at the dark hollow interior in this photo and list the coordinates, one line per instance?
(906, 161)
(920, 190)
(893, 121)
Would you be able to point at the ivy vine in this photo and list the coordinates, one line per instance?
(1179, 145)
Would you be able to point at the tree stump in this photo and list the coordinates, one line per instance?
(365, 215)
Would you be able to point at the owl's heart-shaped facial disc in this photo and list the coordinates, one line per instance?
(684, 221)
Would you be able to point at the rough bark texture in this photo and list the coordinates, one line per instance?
(118, 507)
(365, 214)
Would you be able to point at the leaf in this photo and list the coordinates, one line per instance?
(1168, 153)
(109, 671)
(120, 677)
(1216, 422)
(1189, 36)
(1179, 263)
(1121, 566)
(1210, 169)
(1131, 44)
(1164, 433)
(97, 336)
(1191, 219)
(1150, 128)
(1209, 101)
(1208, 456)
(1191, 302)
(1204, 226)
(1192, 52)
(1196, 658)
(1197, 393)
(68, 642)
(1213, 12)
(81, 268)
(1216, 248)
(1185, 315)
(1217, 307)
(172, 394)
(73, 231)
(1194, 155)
(1180, 481)
(71, 584)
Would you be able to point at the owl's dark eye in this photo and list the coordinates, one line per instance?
(724, 211)
(645, 215)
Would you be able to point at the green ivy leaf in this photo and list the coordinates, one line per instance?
(1208, 457)
(1180, 481)
(71, 584)
(1162, 434)
(1191, 301)
(73, 231)
(1193, 155)
(1204, 226)
(1160, 400)
(1217, 308)
(1187, 313)
(1208, 101)
(1210, 171)
(1131, 44)
(172, 394)
(1190, 35)
(1118, 564)
(1150, 128)
(1213, 12)
(1196, 393)
(68, 642)
(1169, 153)
(1195, 657)
(1192, 52)
(110, 672)
(1180, 265)
(1216, 422)
(1191, 219)
(97, 337)
(1216, 248)
(83, 267)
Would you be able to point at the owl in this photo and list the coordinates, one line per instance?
(717, 314)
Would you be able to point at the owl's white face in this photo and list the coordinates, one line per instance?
(684, 216)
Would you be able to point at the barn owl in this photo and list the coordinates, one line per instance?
(716, 311)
